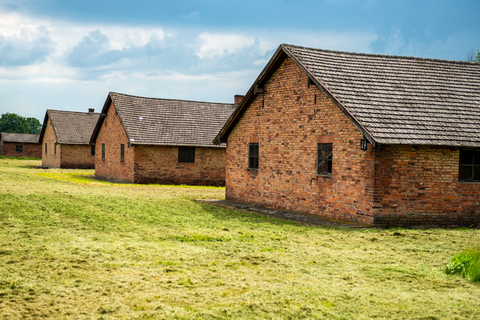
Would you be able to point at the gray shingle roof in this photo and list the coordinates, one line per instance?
(401, 100)
(19, 137)
(71, 127)
(152, 121)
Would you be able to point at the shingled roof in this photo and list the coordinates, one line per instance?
(392, 99)
(154, 121)
(71, 127)
(19, 137)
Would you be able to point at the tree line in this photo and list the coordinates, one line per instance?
(14, 123)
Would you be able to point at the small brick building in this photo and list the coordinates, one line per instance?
(149, 140)
(20, 145)
(382, 140)
(65, 139)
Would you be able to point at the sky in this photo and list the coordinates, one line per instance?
(68, 55)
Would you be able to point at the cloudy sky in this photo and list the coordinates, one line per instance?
(67, 55)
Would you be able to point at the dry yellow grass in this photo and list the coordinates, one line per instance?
(76, 248)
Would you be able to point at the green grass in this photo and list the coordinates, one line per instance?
(72, 247)
(467, 264)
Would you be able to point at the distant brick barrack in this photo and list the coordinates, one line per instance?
(65, 139)
(151, 140)
(20, 145)
(387, 141)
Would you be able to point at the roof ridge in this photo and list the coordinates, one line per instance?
(378, 55)
(67, 111)
(167, 99)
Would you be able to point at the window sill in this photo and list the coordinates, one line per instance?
(324, 175)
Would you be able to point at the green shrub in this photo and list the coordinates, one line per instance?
(467, 264)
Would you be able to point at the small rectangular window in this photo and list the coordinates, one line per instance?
(253, 156)
(45, 148)
(122, 153)
(324, 159)
(92, 150)
(19, 148)
(469, 166)
(103, 151)
(186, 154)
(55, 148)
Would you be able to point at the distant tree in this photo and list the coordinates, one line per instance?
(472, 56)
(11, 122)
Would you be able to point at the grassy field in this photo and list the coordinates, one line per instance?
(72, 247)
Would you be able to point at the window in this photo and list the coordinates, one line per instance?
(253, 156)
(19, 147)
(103, 151)
(92, 150)
(324, 159)
(122, 153)
(469, 168)
(45, 148)
(186, 154)
(55, 148)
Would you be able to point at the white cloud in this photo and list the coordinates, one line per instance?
(221, 44)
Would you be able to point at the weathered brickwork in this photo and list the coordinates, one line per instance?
(388, 186)
(31, 150)
(288, 120)
(419, 186)
(159, 164)
(64, 155)
(153, 164)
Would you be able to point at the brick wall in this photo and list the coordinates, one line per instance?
(31, 150)
(76, 156)
(389, 186)
(288, 120)
(50, 158)
(113, 135)
(159, 164)
(419, 186)
(153, 164)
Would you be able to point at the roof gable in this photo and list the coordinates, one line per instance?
(392, 100)
(154, 121)
(71, 127)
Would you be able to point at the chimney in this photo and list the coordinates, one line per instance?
(238, 98)
(91, 110)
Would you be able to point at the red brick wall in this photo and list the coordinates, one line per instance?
(388, 186)
(420, 186)
(153, 164)
(159, 164)
(112, 135)
(76, 156)
(288, 120)
(50, 158)
(31, 150)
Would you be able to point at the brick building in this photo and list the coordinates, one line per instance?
(20, 145)
(65, 139)
(383, 140)
(148, 140)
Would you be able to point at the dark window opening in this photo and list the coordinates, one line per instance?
(122, 153)
(253, 156)
(92, 150)
(469, 167)
(55, 148)
(19, 147)
(103, 151)
(324, 159)
(186, 154)
(45, 148)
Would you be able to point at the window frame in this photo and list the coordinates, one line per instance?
(472, 165)
(186, 154)
(103, 151)
(253, 156)
(46, 148)
(92, 150)
(17, 147)
(324, 159)
(55, 148)
(122, 152)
